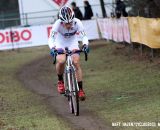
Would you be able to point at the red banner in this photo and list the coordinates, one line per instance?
(60, 2)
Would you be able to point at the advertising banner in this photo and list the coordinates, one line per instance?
(37, 35)
(145, 31)
(115, 29)
(126, 31)
(13, 38)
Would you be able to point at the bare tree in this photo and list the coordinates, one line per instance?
(145, 8)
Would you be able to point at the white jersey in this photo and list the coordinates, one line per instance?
(60, 37)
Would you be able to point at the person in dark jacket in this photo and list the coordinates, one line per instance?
(120, 9)
(77, 12)
(88, 13)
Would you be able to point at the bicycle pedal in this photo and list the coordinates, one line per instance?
(66, 94)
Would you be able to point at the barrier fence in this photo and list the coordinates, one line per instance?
(145, 31)
(115, 29)
(133, 29)
(37, 35)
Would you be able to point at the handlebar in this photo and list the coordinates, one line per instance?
(68, 52)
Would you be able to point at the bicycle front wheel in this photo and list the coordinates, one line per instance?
(70, 101)
(74, 95)
(68, 89)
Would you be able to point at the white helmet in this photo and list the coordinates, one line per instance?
(66, 14)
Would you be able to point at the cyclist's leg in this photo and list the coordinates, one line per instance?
(60, 69)
(60, 64)
(76, 62)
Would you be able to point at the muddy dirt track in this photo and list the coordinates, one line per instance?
(33, 76)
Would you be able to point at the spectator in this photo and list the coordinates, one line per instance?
(120, 9)
(88, 10)
(112, 15)
(77, 11)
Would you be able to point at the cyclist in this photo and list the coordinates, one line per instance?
(64, 34)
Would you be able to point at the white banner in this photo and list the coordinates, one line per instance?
(103, 26)
(91, 29)
(115, 29)
(37, 35)
(126, 31)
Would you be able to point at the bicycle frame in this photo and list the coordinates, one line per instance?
(69, 68)
(70, 81)
(71, 85)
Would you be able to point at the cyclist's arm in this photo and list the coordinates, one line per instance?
(52, 37)
(82, 33)
(51, 40)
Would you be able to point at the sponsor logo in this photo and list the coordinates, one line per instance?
(15, 36)
(60, 2)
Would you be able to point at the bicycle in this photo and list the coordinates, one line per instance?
(70, 81)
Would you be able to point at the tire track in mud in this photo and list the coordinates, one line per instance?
(33, 76)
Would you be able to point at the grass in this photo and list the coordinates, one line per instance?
(122, 87)
(20, 109)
